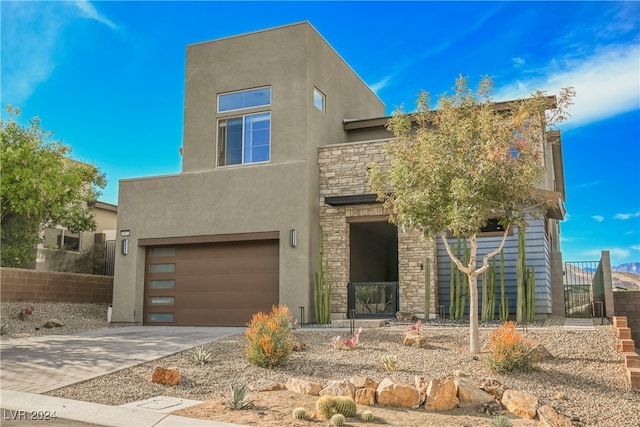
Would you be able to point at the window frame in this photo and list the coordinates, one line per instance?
(323, 99)
(219, 141)
(244, 91)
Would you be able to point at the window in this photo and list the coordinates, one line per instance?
(318, 99)
(244, 139)
(56, 238)
(244, 99)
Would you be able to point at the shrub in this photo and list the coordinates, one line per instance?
(269, 338)
(508, 350)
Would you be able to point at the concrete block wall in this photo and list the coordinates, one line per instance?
(627, 304)
(38, 286)
(627, 346)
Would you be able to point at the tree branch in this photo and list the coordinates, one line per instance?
(459, 263)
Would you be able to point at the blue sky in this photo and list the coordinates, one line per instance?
(108, 79)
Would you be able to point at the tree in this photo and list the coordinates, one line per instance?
(469, 160)
(40, 187)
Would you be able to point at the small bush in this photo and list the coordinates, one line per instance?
(509, 351)
(501, 421)
(240, 399)
(269, 338)
(200, 356)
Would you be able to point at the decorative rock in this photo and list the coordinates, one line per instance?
(298, 346)
(52, 323)
(414, 340)
(404, 316)
(442, 395)
(469, 395)
(458, 373)
(560, 396)
(493, 387)
(551, 418)
(166, 376)
(363, 382)
(492, 408)
(265, 385)
(303, 386)
(338, 388)
(391, 393)
(520, 403)
(540, 353)
(366, 396)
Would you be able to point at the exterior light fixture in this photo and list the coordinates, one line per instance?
(124, 247)
(293, 238)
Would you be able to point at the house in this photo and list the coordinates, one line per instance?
(60, 250)
(278, 132)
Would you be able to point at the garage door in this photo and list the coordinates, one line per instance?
(210, 284)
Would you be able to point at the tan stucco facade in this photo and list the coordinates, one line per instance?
(276, 196)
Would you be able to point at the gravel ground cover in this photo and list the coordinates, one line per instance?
(586, 368)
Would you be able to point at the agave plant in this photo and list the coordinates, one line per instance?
(200, 355)
(240, 399)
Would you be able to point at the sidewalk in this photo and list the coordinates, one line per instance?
(29, 366)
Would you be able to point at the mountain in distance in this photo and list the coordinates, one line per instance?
(629, 267)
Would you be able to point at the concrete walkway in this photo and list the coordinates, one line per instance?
(40, 364)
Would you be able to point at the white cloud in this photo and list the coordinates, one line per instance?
(376, 87)
(626, 216)
(518, 62)
(607, 83)
(32, 37)
(617, 253)
(598, 218)
(87, 10)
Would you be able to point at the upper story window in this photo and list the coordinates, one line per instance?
(244, 139)
(318, 99)
(244, 99)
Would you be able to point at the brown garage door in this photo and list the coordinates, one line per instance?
(211, 284)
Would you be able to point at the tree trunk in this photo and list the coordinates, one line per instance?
(474, 332)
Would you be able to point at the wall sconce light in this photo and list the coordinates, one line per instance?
(124, 248)
(293, 238)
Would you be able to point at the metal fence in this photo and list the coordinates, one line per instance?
(583, 284)
(109, 257)
(373, 299)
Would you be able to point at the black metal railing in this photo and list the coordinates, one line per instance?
(109, 257)
(583, 284)
(372, 299)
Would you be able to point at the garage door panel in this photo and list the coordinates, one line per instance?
(220, 284)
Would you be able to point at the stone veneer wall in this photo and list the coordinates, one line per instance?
(38, 286)
(627, 303)
(343, 172)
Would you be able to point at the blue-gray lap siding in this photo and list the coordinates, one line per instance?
(537, 254)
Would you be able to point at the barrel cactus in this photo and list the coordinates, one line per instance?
(326, 406)
(367, 416)
(345, 405)
(337, 420)
(299, 413)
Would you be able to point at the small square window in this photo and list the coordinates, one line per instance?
(318, 99)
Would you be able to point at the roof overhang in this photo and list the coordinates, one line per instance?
(553, 200)
(360, 199)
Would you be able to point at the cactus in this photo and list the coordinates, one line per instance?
(299, 413)
(367, 416)
(326, 406)
(459, 282)
(501, 421)
(390, 362)
(322, 290)
(345, 405)
(526, 282)
(489, 292)
(504, 301)
(531, 293)
(337, 420)
(427, 289)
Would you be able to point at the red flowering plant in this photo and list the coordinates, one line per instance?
(415, 329)
(348, 344)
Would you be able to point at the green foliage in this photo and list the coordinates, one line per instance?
(322, 289)
(526, 283)
(504, 300)
(200, 356)
(337, 420)
(390, 362)
(328, 406)
(269, 339)
(469, 160)
(509, 351)
(501, 421)
(3, 328)
(489, 292)
(367, 416)
(40, 187)
(239, 398)
(459, 281)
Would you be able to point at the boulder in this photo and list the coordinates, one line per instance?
(363, 382)
(412, 339)
(521, 403)
(442, 395)
(366, 396)
(338, 388)
(298, 346)
(470, 395)
(392, 393)
(404, 316)
(303, 386)
(549, 417)
(53, 323)
(166, 376)
(493, 387)
(540, 353)
(265, 385)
